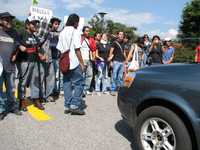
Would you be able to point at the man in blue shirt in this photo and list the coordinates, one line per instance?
(168, 52)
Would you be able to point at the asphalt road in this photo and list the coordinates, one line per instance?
(100, 129)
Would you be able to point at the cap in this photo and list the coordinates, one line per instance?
(31, 19)
(55, 19)
(6, 15)
(167, 39)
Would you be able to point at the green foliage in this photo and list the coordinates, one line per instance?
(96, 27)
(19, 26)
(190, 24)
(184, 55)
(114, 27)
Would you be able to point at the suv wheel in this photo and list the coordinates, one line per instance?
(158, 128)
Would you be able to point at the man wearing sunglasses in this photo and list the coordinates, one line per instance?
(8, 44)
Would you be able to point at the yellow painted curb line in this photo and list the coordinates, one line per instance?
(38, 114)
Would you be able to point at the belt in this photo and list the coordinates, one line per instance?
(31, 50)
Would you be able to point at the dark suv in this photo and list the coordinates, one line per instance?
(162, 105)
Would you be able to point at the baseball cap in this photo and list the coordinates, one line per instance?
(6, 15)
(32, 20)
(167, 39)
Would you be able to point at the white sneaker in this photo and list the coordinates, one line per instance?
(98, 93)
(61, 92)
(113, 93)
(88, 93)
(106, 92)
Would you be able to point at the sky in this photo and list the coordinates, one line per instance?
(161, 17)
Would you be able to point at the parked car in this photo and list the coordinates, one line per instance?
(162, 105)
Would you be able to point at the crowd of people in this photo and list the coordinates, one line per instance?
(97, 65)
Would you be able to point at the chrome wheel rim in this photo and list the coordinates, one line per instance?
(157, 134)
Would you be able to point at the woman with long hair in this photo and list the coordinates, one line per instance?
(155, 51)
(102, 64)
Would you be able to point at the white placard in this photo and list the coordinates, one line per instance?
(41, 13)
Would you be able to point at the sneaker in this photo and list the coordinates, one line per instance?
(23, 105)
(39, 105)
(98, 93)
(83, 105)
(78, 111)
(83, 95)
(56, 97)
(61, 92)
(16, 112)
(106, 93)
(2, 116)
(88, 93)
(67, 111)
(113, 93)
(51, 99)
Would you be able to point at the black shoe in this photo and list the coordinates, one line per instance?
(56, 98)
(78, 111)
(67, 111)
(83, 105)
(51, 99)
(16, 112)
(84, 95)
(2, 116)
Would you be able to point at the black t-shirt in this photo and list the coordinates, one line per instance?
(103, 50)
(156, 54)
(29, 41)
(53, 43)
(118, 52)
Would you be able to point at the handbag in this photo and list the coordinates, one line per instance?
(134, 65)
(64, 61)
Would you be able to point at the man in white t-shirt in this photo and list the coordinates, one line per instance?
(88, 51)
(70, 39)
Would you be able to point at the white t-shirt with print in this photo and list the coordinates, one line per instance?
(85, 50)
(64, 42)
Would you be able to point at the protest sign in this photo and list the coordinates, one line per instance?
(41, 13)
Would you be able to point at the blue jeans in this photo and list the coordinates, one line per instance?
(31, 75)
(49, 78)
(88, 75)
(7, 100)
(58, 77)
(102, 77)
(73, 85)
(117, 76)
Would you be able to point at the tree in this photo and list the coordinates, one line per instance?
(19, 26)
(112, 27)
(190, 23)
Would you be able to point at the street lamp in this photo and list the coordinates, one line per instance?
(102, 15)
